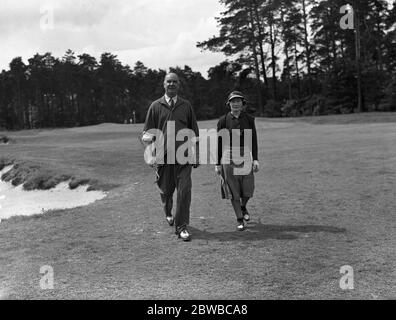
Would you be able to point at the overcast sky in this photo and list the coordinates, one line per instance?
(160, 33)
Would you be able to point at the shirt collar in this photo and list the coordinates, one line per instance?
(168, 99)
(234, 117)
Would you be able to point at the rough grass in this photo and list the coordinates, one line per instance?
(324, 198)
(4, 162)
(37, 177)
(4, 139)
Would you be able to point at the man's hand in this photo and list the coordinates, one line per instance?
(218, 170)
(256, 166)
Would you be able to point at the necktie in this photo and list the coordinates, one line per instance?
(172, 103)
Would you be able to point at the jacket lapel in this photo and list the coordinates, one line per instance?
(164, 103)
(179, 102)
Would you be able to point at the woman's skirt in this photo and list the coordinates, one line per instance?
(238, 177)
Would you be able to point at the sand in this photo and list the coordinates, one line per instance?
(14, 201)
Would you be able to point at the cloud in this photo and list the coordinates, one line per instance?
(179, 51)
(161, 33)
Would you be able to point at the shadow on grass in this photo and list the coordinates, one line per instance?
(258, 231)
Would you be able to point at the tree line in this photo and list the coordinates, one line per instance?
(290, 57)
(79, 90)
(304, 61)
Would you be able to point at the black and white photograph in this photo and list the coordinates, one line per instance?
(215, 151)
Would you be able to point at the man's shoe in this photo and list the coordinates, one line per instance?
(170, 220)
(241, 226)
(184, 235)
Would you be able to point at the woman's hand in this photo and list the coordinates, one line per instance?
(256, 166)
(218, 170)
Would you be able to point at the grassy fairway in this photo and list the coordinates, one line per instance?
(325, 197)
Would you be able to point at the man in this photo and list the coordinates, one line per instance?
(175, 111)
(234, 156)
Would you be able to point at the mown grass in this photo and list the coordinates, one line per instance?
(4, 139)
(357, 118)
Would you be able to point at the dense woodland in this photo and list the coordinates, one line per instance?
(291, 58)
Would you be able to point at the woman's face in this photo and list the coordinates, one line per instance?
(236, 105)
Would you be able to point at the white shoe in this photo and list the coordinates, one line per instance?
(184, 235)
(170, 220)
(240, 226)
(246, 217)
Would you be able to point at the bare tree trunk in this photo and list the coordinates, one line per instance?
(379, 51)
(261, 37)
(334, 49)
(256, 63)
(307, 46)
(286, 52)
(273, 58)
(358, 55)
(342, 48)
(288, 74)
(258, 82)
(297, 67)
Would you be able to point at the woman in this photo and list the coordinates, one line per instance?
(233, 157)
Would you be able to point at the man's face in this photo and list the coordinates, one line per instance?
(171, 85)
(236, 105)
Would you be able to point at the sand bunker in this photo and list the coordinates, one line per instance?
(14, 201)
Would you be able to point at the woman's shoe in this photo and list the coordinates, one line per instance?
(246, 215)
(241, 225)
